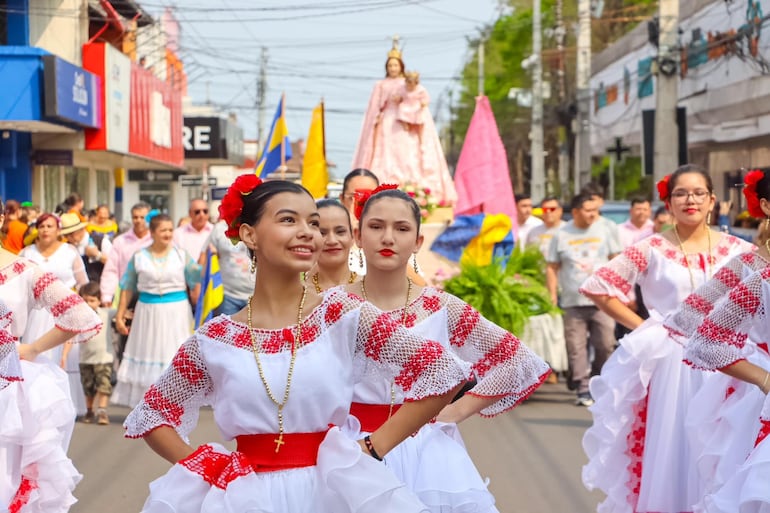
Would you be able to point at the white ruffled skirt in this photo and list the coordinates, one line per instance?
(436, 466)
(157, 332)
(37, 422)
(345, 480)
(747, 490)
(723, 422)
(637, 446)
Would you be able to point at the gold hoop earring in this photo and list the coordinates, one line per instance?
(253, 266)
(414, 263)
(360, 258)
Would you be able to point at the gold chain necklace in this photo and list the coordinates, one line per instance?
(256, 348)
(687, 260)
(403, 322)
(318, 288)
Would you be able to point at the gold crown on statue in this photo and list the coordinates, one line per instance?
(394, 52)
(412, 75)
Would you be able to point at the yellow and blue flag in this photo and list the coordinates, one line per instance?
(277, 149)
(212, 290)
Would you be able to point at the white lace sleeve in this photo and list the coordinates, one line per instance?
(504, 367)
(175, 399)
(689, 316)
(10, 368)
(718, 341)
(617, 277)
(69, 311)
(421, 368)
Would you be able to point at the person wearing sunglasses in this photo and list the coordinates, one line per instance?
(193, 236)
(542, 234)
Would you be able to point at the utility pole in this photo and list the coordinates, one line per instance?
(583, 96)
(560, 34)
(482, 41)
(537, 178)
(666, 156)
(261, 102)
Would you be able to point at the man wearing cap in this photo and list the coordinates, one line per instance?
(192, 237)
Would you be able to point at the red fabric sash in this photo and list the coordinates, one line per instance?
(372, 416)
(297, 450)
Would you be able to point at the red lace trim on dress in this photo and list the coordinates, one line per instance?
(635, 451)
(23, 494)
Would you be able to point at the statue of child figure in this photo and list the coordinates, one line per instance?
(414, 103)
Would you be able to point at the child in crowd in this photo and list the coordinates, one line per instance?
(96, 360)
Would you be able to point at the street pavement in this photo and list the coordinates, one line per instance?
(532, 456)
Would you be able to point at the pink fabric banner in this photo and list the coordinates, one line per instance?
(482, 179)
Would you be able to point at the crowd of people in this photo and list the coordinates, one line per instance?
(312, 287)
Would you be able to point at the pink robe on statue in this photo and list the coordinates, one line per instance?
(398, 155)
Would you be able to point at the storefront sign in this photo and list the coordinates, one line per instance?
(212, 138)
(141, 175)
(71, 93)
(196, 181)
(114, 68)
(52, 157)
(156, 118)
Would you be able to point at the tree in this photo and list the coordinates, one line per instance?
(509, 42)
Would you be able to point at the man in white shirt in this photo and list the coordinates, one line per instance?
(192, 237)
(639, 224)
(524, 217)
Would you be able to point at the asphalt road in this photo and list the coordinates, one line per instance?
(532, 456)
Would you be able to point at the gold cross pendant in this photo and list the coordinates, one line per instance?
(279, 442)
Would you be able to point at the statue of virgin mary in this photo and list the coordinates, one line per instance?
(398, 152)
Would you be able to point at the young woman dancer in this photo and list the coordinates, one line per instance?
(637, 446)
(37, 411)
(280, 373)
(337, 232)
(434, 462)
(358, 180)
(723, 416)
(733, 339)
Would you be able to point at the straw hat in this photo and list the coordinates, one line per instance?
(71, 223)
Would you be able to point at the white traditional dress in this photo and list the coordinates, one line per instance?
(36, 411)
(434, 462)
(162, 319)
(318, 469)
(67, 265)
(723, 417)
(637, 446)
(737, 324)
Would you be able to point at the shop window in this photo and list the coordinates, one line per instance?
(103, 189)
(52, 193)
(156, 195)
(76, 180)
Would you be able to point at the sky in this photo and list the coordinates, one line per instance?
(330, 49)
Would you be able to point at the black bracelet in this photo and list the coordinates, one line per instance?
(370, 448)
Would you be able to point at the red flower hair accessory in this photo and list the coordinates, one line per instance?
(363, 195)
(662, 186)
(750, 192)
(232, 204)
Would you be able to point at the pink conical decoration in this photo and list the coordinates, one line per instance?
(482, 180)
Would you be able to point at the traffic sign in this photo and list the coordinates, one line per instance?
(196, 181)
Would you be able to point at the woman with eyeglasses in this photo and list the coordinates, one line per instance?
(637, 447)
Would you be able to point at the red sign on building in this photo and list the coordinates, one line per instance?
(142, 114)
